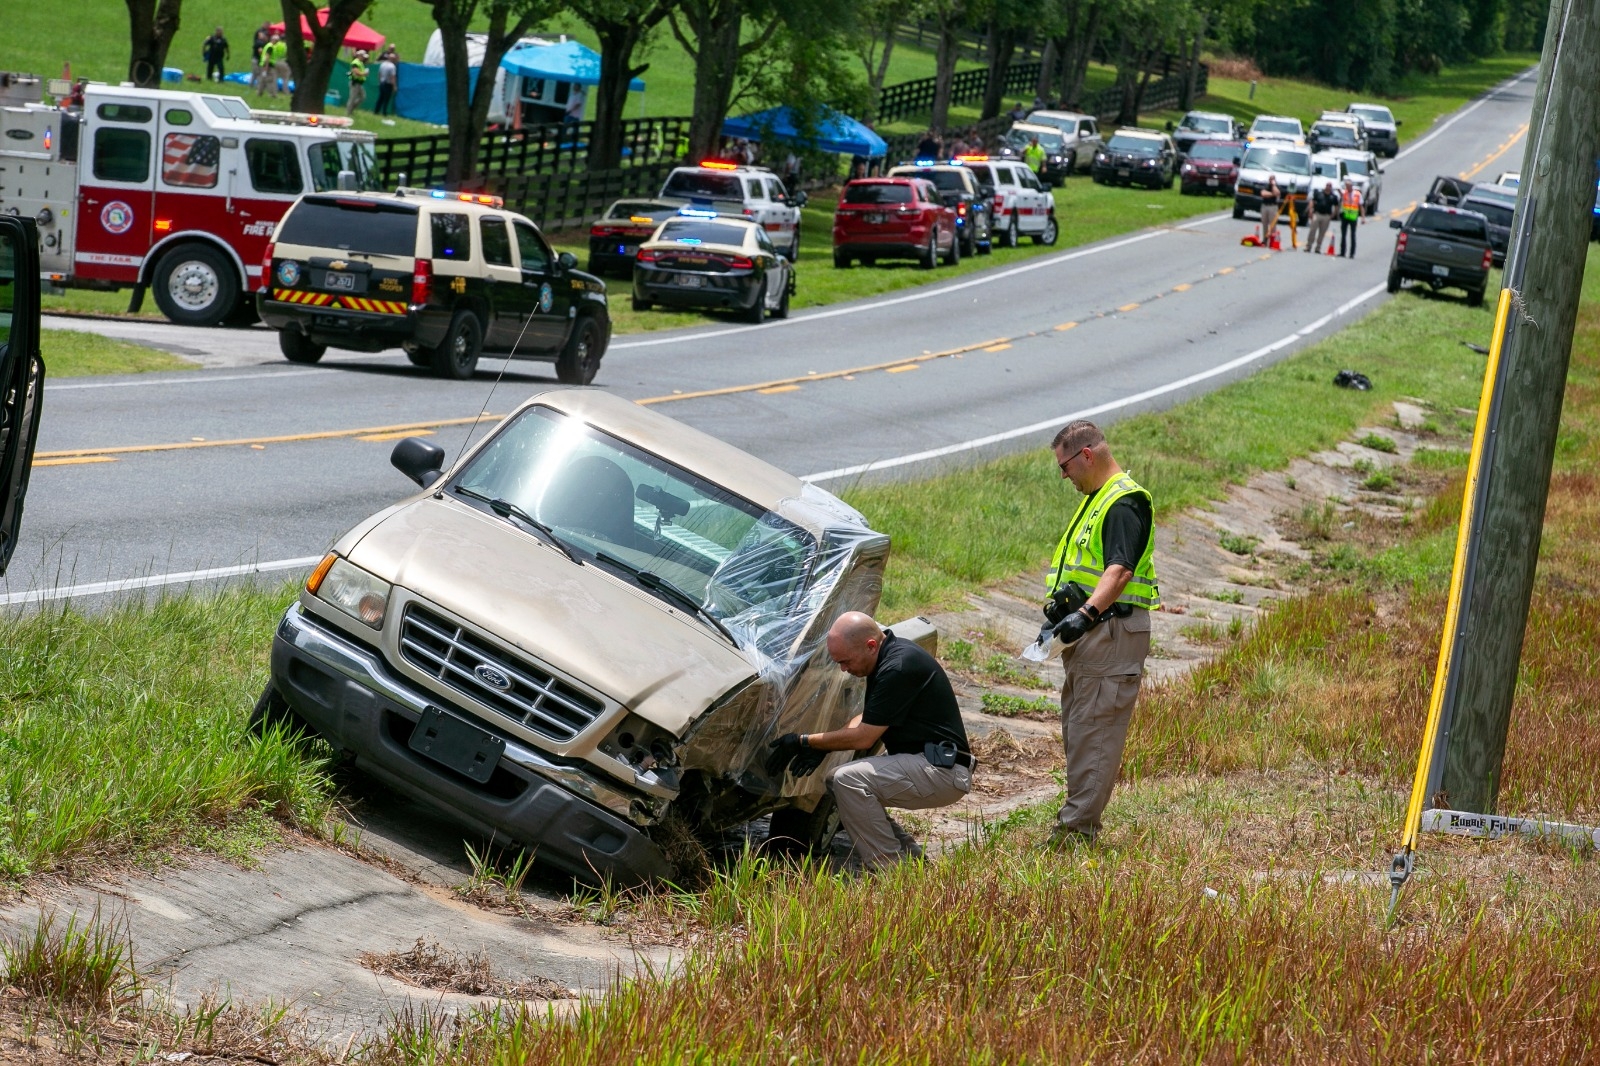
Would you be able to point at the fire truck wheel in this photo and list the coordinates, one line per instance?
(195, 286)
(297, 347)
(457, 357)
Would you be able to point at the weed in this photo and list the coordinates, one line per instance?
(957, 654)
(427, 964)
(1290, 483)
(1002, 668)
(1378, 481)
(1237, 543)
(1318, 523)
(1378, 443)
(1362, 466)
(1008, 706)
(1226, 595)
(87, 966)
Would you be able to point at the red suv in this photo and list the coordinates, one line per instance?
(1211, 167)
(894, 218)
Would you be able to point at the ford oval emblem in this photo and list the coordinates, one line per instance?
(495, 679)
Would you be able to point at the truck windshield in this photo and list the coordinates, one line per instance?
(1206, 124)
(1277, 160)
(601, 495)
(330, 157)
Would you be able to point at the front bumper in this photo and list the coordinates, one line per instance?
(1112, 174)
(737, 291)
(1200, 181)
(567, 816)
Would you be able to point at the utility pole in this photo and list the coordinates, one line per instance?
(1544, 273)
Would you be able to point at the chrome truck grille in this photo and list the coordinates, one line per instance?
(516, 687)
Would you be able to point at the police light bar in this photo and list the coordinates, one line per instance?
(718, 164)
(972, 158)
(925, 162)
(697, 212)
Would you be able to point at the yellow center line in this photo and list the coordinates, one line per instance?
(1225, 270)
(1066, 326)
(777, 389)
(1397, 212)
(1497, 153)
(1128, 307)
(903, 369)
(74, 462)
(287, 438)
(997, 347)
(1185, 287)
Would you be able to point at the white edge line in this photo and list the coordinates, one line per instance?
(190, 378)
(98, 588)
(926, 293)
(1464, 112)
(1113, 405)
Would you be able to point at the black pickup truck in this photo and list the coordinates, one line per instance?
(21, 371)
(1443, 247)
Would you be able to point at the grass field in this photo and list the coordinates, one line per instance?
(73, 353)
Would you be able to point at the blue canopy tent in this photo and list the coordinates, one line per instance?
(836, 132)
(567, 61)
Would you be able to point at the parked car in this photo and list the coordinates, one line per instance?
(444, 276)
(702, 259)
(21, 371)
(1196, 126)
(1211, 167)
(965, 194)
(1080, 135)
(1509, 178)
(1326, 136)
(582, 636)
(1060, 158)
(1135, 156)
(615, 236)
(1290, 164)
(1327, 167)
(1383, 135)
(1447, 191)
(755, 192)
(1276, 128)
(1365, 174)
(1497, 208)
(1440, 247)
(894, 218)
(1021, 206)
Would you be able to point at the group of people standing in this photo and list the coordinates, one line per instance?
(1348, 203)
(270, 74)
(1099, 592)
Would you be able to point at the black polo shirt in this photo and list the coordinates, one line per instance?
(909, 694)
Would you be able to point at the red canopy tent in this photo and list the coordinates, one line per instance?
(363, 37)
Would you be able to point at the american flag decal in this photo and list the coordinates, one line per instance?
(190, 159)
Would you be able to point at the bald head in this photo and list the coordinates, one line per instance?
(853, 643)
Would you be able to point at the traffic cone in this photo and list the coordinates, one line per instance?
(1273, 242)
(1330, 245)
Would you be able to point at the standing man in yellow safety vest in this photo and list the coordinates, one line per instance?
(1102, 588)
(358, 83)
(1033, 155)
(1351, 212)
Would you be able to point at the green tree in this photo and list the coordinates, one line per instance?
(712, 32)
(871, 36)
(1007, 22)
(312, 71)
(622, 27)
(466, 104)
(151, 26)
(949, 17)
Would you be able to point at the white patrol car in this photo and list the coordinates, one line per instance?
(1021, 204)
(1278, 128)
(1363, 171)
(754, 192)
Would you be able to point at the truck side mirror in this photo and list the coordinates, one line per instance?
(347, 181)
(1394, 223)
(420, 460)
(567, 260)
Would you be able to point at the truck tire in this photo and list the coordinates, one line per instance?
(1394, 281)
(457, 356)
(756, 313)
(928, 258)
(1474, 297)
(195, 285)
(580, 359)
(1050, 232)
(797, 832)
(1011, 238)
(1238, 209)
(298, 348)
(954, 258)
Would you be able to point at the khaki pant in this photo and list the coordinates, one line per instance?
(1269, 220)
(1103, 672)
(358, 96)
(1317, 232)
(864, 787)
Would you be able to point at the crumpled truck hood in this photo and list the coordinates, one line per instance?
(653, 659)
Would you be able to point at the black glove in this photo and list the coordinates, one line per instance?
(806, 763)
(784, 751)
(1075, 625)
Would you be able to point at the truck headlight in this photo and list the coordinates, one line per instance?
(352, 590)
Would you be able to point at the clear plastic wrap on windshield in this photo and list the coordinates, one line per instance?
(794, 599)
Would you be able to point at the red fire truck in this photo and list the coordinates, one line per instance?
(175, 192)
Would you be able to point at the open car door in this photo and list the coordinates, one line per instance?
(21, 371)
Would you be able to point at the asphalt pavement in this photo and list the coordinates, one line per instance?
(252, 465)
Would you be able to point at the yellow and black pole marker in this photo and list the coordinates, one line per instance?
(1519, 414)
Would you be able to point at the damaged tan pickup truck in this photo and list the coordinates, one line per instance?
(592, 624)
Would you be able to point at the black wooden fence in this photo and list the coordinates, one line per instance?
(916, 97)
(573, 197)
(533, 149)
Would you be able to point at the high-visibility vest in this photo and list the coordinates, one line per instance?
(1080, 557)
(1350, 203)
(1033, 155)
(358, 71)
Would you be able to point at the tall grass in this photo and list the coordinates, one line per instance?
(87, 965)
(125, 729)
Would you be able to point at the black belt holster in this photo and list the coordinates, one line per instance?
(944, 754)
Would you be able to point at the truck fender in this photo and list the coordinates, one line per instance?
(246, 282)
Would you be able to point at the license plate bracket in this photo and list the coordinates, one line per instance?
(339, 280)
(1212, 182)
(1442, 271)
(1122, 172)
(457, 744)
(875, 218)
(691, 281)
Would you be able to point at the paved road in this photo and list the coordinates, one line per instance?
(254, 464)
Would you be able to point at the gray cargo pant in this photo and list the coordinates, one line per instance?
(1319, 230)
(864, 787)
(1103, 672)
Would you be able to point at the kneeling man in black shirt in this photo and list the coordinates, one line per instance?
(912, 709)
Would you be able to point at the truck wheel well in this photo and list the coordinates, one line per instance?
(182, 240)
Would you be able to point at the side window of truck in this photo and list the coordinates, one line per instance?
(121, 154)
(274, 166)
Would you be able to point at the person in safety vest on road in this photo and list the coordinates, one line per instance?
(1033, 155)
(1102, 588)
(1351, 211)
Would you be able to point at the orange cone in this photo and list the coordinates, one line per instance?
(1274, 243)
(1330, 245)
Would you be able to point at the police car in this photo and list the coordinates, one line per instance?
(701, 258)
(730, 188)
(1021, 204)
(445, 276)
